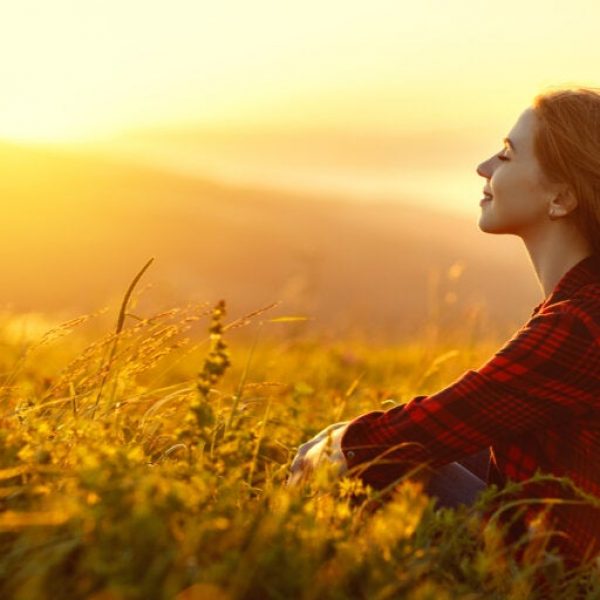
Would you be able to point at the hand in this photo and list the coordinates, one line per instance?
(326, 445)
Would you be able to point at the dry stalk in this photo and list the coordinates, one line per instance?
(119, 328)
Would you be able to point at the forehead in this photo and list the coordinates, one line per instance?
(523, 130)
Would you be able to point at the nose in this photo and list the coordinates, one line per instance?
(484, 169)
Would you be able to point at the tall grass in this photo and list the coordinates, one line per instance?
(151, 464)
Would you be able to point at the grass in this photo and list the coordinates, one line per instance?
(150, 463)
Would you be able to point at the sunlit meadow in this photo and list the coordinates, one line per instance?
(289, 164)
(149, 460)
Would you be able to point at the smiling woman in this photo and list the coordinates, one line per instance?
(534, 406)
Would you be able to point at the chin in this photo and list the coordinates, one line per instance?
(487, 225)
(483, 224)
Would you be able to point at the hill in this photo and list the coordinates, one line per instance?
(78, 227)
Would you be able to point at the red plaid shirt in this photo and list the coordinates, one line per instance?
(536, 403)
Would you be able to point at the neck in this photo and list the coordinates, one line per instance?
(555, 250)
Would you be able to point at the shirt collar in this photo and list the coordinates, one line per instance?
(585, 271)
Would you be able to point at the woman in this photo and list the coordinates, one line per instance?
(535, 405)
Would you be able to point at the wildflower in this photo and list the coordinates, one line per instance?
(215, 365)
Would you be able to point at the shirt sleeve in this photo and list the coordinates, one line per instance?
(548, 371)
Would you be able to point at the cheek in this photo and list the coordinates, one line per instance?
(520, 200)
(517, 186)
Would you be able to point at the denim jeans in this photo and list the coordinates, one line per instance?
(459, 482)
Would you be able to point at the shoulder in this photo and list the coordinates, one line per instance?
(581, 310)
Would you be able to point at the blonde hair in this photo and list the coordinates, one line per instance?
(567, 146)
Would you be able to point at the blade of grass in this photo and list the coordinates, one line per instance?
(119, 328)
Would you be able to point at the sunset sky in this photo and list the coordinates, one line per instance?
(432, 86)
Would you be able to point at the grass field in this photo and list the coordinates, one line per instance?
(149, 461)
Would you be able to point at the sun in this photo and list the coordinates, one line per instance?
(40, 124)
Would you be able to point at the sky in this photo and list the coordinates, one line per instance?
(443, 80)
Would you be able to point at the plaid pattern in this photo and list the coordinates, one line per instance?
(536, 403)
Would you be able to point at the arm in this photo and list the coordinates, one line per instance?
(548, 371)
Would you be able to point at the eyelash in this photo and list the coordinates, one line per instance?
(501, 157)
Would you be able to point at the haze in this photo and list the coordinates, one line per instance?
(343, 106)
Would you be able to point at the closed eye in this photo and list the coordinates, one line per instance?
(502, 157)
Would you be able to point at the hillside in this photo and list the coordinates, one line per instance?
(77, 228)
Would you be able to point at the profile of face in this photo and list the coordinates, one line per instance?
(521, 198)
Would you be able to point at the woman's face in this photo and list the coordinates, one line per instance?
(520, 198)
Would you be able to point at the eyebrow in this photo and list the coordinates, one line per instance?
(510, 143)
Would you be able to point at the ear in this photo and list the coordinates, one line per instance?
(563, 202)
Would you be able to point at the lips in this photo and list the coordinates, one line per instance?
(487, 197)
